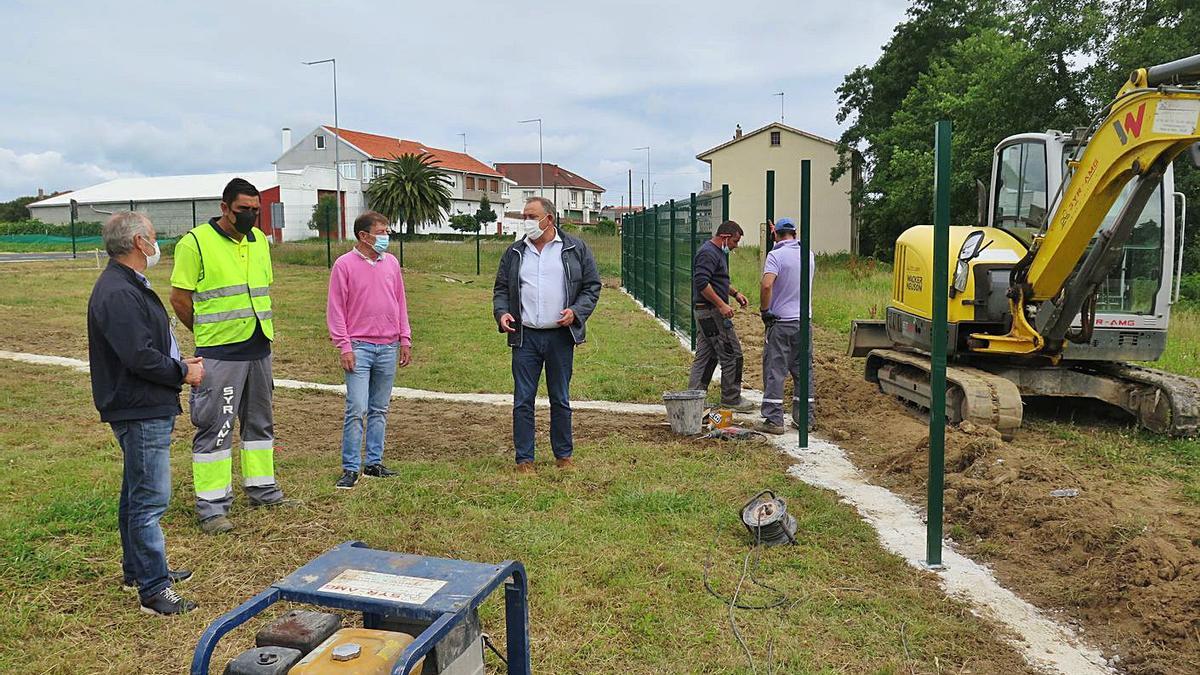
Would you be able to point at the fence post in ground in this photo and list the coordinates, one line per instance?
(691, 271)
(478, 232)
(769, 238)
(802, 393)
(672, 263)
(74, 214)
(624, 257)
(937, 375)
(724, 203)
(657, 293)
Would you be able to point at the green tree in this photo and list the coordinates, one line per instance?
(464, 222)
(485, 214)
(411, 190)
(324, 215)
(993, 67)
(15, 211)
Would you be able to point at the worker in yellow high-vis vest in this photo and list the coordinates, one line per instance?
(221, 290)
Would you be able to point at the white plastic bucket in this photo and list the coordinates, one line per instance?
(685, 410)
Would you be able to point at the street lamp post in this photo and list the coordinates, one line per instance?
(647, 149)
(541, 163)
(337, 169)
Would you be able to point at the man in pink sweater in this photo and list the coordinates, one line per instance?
(368, 322)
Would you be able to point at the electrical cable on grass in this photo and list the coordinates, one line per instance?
(487, 641)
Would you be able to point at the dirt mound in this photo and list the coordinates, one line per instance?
(1121, 559)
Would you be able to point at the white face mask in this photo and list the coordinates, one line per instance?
(152, 260)
(533, 231)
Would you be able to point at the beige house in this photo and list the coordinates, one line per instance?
(742, 164)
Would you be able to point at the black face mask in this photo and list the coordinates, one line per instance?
(244, 220)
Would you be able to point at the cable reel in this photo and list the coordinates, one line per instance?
(768, 521)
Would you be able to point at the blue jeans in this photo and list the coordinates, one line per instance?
(555, 348)
(145, 493)
(368, 393)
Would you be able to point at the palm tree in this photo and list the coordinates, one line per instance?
(411, 190)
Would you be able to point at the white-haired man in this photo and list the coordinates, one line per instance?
(137, 374)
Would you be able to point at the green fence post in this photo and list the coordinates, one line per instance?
(657, 290)
(802, 392)
(937, 376)
(641, 256)
(624, 267)
(672, 264)
(401, 245)
(691, 270)
(724, 203)
(74, 213)
(478, 233)
(769, 240)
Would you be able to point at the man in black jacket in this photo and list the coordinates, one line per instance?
(137, 373)
(546, 288)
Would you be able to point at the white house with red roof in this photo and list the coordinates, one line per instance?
(361, 157)
(576, 198)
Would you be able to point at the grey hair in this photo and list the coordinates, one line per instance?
(120, 229)
(547, 206)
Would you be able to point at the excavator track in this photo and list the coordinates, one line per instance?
(1163, 402)
(972, 394)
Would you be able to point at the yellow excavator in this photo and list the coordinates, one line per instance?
(1069, 275)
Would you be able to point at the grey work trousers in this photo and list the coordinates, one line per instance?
(781, 357)
(717, 343)
(232, 390)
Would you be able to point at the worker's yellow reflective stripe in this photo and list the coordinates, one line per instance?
(212, 474)
(216, 317)
(258, 464)
(223, 292)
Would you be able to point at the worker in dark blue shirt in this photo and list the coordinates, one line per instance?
(716, 341)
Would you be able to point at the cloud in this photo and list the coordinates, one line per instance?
(170, 88)
(47, 170)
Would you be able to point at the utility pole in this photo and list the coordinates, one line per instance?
(337, 169)
(647, 149)
(643, 193)
(631, 188)
(541, 162)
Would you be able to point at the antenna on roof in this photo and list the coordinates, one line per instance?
(464, 135)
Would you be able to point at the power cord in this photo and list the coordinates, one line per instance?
(733, 604)
(487, 641)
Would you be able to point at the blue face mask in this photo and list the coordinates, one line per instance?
(725, 249)
(381, 243)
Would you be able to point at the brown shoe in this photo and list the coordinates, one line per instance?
(564, 463)
(525, 468)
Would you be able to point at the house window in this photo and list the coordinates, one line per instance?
(504, 188)
(774, 138)
(528, 194)
(319, 139)
(470, 182)
(494, 185)
(378, 170)
(349, 170)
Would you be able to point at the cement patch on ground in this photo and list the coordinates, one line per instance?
(1045, 643)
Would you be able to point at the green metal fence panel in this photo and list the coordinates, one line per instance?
(658, 245)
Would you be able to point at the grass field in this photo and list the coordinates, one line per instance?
(615, 550)
(456, 345)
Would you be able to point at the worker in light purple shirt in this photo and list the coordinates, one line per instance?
(367, 314)
(779, 304)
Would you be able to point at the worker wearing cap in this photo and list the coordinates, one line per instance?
(779, 302)
(221, 290)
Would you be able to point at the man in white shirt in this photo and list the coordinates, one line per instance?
(546, 287)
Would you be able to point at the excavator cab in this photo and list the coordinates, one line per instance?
(1133, 304)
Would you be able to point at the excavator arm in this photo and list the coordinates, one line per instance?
(1153, 119)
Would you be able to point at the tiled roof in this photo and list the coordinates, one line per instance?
(386, 147)
(526, 174)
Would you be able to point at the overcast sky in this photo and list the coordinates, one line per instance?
(96, 90)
